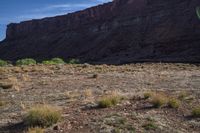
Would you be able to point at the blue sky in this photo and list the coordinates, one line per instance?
(14, 11)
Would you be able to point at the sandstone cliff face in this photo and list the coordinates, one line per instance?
(122, 31)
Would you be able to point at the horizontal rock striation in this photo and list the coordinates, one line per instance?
(122, 31)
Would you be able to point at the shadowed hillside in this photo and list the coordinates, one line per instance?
(118, 32)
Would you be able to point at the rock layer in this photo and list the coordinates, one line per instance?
(122, 31)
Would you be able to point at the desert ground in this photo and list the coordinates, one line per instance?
(76, 90)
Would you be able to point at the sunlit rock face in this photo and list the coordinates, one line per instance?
(122, 31)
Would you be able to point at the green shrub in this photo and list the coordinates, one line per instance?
(48, 62)
(54, 61)
(73, 61)
(3, 63)
(42, 116)
(174, 103)
(196, 112)
(58, 60)
(27, 61)
(108, 101)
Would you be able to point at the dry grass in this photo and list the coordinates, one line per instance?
(43, 116)
(174, 103)
(196, 112)
(158, 100)
(110, 99)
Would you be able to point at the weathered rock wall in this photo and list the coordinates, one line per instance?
(122, 31)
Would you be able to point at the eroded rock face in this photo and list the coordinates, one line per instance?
(122, 31)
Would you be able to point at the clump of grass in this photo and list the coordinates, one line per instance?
(147, 95)
(3, 63)
(196, 112)
(35, 130)
(42, 116)
(73, 61)
(27, 61)
(182, 95)
(174, 103)
(158, 100)
(109, 101)
(150, 126)
(54, 61)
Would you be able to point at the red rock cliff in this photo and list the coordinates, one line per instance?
(117, 32)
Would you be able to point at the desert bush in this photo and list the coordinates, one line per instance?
(58, 61)
(174, 103)
(35, 130)
(3, 63)
(48, 62)
(27, 61)
(54, 61)
(43, 116)
(109, 101)
(73, 61)
(158, 100)
(196, 112)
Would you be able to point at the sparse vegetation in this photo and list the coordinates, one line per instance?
(54, 61)
(3, 63)
(27, 61)
(158, 100)
(147, 95)
(182, 95)
(109, 101)
(35, 130)
(150, 126)
(58, 61)
(174, 103)
(42, 116)
(196, 112)
(73, 61)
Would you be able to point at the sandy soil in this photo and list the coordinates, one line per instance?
(76, 89)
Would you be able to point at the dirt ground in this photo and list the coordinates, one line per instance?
(76, 89)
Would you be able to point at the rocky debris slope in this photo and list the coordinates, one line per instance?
(121, 31)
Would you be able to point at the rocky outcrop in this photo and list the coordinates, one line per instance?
(121, 31)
